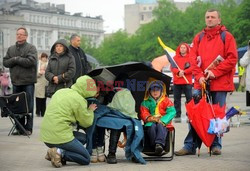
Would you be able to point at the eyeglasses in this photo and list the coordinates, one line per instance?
(18, 34)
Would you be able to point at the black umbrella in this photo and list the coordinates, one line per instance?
(132, 75)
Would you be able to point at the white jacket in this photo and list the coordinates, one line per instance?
(245, 62)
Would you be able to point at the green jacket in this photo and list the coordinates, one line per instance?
(68, 106)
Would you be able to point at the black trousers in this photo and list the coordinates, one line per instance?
(40, 106)
(113, 140)
(247, 98)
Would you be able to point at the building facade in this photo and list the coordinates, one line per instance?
(45, 23)
(142, 13)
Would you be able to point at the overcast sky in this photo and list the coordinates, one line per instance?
(112, 11)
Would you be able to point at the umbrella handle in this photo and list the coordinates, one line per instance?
(203, 90)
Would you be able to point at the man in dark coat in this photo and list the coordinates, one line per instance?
(82, 65)
(21, 59)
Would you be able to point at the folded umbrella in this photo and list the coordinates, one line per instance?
(199, 116)
(231, 112)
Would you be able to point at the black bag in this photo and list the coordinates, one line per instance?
(47, 92)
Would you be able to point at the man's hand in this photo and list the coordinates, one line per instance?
(210, 75)
(202, 81)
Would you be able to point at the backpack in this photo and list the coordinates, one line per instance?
(222, 36)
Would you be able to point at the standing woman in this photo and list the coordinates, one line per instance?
(245, 62)
(40, 85)
(61, 67)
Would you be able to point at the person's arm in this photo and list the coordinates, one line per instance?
(8, 60)
(48, 73)
(84, 115)
(245, 60)
(30, 60)
(195, 59)
(69, 74)
(189, 70)
(144, 113)
(231, 57)
(170, 111)
(170, 114)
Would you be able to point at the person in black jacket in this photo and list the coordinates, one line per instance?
(82, 65)
(21, 59)
(61, 67)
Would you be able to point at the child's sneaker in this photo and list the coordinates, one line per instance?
(111, 158)
(100, 154)
(93, 157)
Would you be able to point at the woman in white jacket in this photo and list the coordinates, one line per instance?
(245, 62)
(40, 85)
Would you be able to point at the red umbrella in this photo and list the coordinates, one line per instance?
(199, 116)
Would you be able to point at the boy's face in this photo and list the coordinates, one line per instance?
(155, 93)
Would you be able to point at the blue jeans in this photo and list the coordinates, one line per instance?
(178, 89)
(157, 134)
(73, 151)
(217, 97)
(29, 89)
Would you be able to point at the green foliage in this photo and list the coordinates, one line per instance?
(114, 49)
(241, 29)
(173, 27)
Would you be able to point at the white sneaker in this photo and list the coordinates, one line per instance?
(100, 154)
(93, 157)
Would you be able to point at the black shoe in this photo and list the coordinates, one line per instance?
(158, 149)
(63, 161)
(17, 133)
(28, 133)
(111, 158)
(134, 160)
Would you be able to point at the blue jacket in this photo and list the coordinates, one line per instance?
(113, 119)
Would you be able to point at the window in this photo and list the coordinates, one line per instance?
(1, 38)
(39, 38)
(47, 40)
(142, 17)
(32, 35)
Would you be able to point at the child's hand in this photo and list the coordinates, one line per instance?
(160, 122)
(93, 107)
(153, 119)
(156, 119)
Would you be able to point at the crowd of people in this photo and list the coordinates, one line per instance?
(61, 76)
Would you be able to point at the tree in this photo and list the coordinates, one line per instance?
(241, 28)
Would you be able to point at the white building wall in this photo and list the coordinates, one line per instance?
(45, 28)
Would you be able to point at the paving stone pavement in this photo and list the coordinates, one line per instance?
(19, 153)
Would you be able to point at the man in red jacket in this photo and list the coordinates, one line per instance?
(180, 84)
(206, 47)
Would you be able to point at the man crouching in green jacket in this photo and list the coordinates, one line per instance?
(68, 106)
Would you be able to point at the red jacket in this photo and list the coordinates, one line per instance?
(210, 46)
(181, 60)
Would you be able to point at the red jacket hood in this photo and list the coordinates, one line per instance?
(211, 32)
(177, 52)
